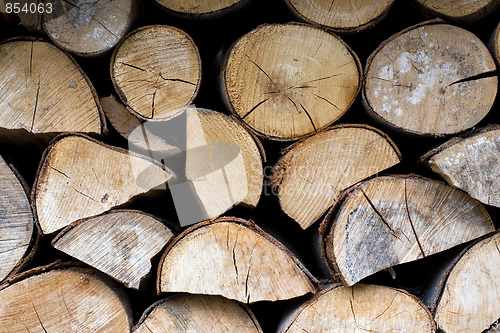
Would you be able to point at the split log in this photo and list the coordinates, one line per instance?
(463, 11)
(312, 173)
(217, 163)
(391, 220)
(80, 177)
(63, 299)
(363, 307)
(18, 235)
(471, 163)
(495, 44)
(89, 27)
(233, 258)
(341, 16)
(201, 8)
(120, 243)
(471, 290)
(197, 313)
(432, 78)
(156, 71)
(44, 92)
(287, 81)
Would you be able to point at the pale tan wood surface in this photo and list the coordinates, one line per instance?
(463, 11)
(196, 8)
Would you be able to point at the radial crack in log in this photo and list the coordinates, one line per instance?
(270, 271)
(341, 15)
(364, 308)
(431, 217)
(271, 82)
(471, 163)
(17, 228)
(44, 92)
(471, 289)
(80, 177)
(120, 243)
(91, 27)
(312, 173)
(432, 78)
(70, 299)
(137, 75)
(197, 313)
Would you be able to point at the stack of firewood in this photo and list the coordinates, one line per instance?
(249, 166)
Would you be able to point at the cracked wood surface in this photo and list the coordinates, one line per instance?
(471, 163)
(432, 78)
(80, 177)
(71, 299)
(194, 8)
(341, 15)
(361, 308)
(290, 80)
(159, 83)
(235, 259)
(44, 91)
(120, 243)
(17, 226)
(89, 27)
(389, 220)
(463, 11)
(197, 313)
(312, 173)
(471, 290)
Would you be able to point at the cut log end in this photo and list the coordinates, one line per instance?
(414, 83)
(159, 83)
(89, 28)
(271, 83)
(464, 11)
(391, 220)
(237, 260)
(312, 174)
(341, 16)
(197, 313)
(201, 8)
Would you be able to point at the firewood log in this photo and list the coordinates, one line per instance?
(197, 313)
(63, 299)
(312, 173)
(341, 16)
(80, 177)
(495, 44)
(471, 290)
(389, 220)
(201, 8)
(462, 11)
(432, 78)
(471, 163)
(287, 81)
(44, 92)
(18, 236)
(156, 71)
(233, 258)
(120, 243)
(89, 27)
(363, 308)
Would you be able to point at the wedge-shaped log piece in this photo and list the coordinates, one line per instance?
(471, 290)
(311, 175)
(87, 27)
(70, 299)
(432, 78)
(287, 81)
(361, 308)
(471, 163)
(45, 92)
(156, 71)
(80, 177)
(17, 227)
(120, 243)
(341, 15)
(197, 314)
(233, 258)
(391, 220)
